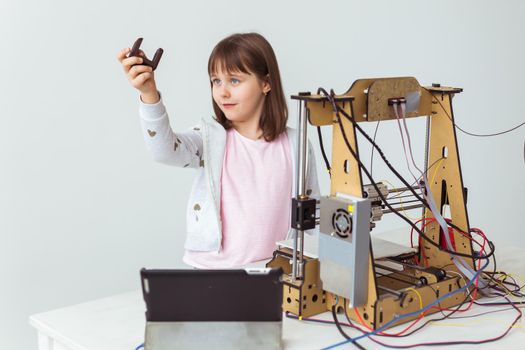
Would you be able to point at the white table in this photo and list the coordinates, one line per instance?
(117, 323)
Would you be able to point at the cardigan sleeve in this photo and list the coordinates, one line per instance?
(183, 149)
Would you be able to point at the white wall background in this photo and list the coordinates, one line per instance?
(82, 205)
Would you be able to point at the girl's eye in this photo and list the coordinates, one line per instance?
(216, 81)
(235, 81)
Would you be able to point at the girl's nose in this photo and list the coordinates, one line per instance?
(225, 92)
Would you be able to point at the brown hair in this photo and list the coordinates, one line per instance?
(251, 53)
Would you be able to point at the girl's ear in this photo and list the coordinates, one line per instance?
(266, 84)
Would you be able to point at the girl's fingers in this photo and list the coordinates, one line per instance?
(138, 74)
(144, 77)
(127, 63)
(123, 54)
(136, 70)
(141, 79)
(140, 53)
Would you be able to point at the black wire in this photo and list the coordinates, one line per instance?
(501, 303)
(424, 202)
(395, 211)
(472, 134)
(413, 183)
(481, 135)
(372, 153)
(446, 316)
(350, 324)
(513, 304)
(487, 135)
(403, 346)
(444, 343)
(517, 288)
(399, 176)
(327, 163)
(500, 292)
(337, 109)
(336, 320)
(494, 271)
(481, 314)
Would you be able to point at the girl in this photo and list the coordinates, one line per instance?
(245, 156)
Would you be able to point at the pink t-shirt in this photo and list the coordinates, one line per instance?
(256, 191)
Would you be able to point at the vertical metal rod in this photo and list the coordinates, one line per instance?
(427, 147)
(304, 158)
(302, 144)
(294, 252)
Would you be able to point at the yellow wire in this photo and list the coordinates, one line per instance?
(508, 291)
(435, 171)
(508, 294)
(419, 296)
(402, 208)
(500, 283)
(481, 322)
(401, 200)
(517, 278)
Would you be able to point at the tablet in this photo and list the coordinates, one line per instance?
(253, 294)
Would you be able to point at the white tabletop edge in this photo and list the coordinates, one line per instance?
(50, 332)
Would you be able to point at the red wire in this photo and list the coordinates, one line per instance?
(391, 334)
(477, 278)
(476, 283)
(420, 241)
(420, 344)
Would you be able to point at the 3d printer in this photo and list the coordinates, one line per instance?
(344, 274)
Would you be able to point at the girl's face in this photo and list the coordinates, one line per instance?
(240, 96)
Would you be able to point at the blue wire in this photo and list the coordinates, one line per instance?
(140, 346)
(397, 318)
